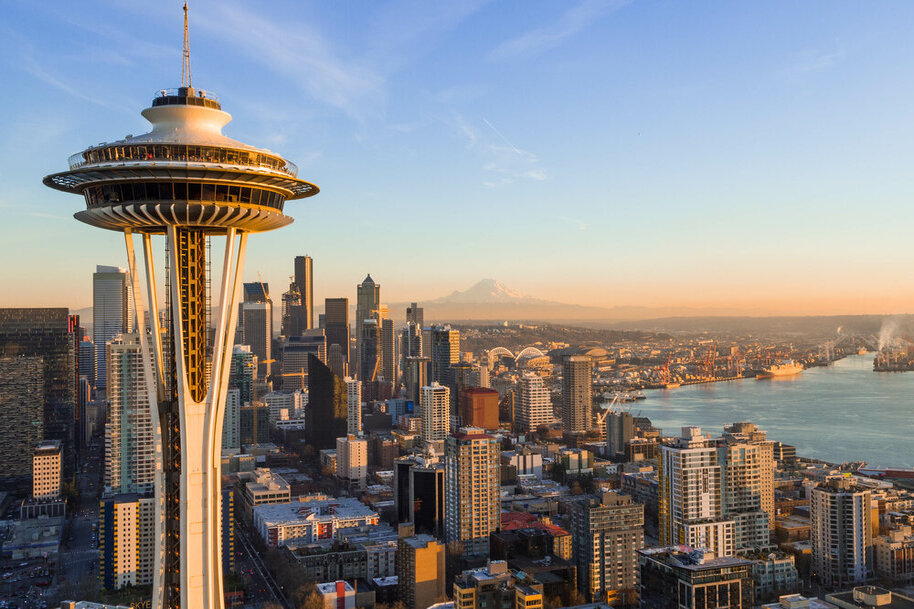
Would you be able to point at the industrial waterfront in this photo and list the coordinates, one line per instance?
(838, 413)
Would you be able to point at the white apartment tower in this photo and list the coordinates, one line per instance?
(129, 447)
(353, 406)
(840, 533)
(352, 460)
(434, 407)
(532, 404)
(690, 495)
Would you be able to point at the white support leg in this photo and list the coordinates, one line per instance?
(154, 314)
(153, 388)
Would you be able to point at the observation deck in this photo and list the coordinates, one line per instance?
(183, 172)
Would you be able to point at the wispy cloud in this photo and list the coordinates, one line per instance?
(549, 37)
(505, 162)
(814, 60)
(31, 66)
(576, 222)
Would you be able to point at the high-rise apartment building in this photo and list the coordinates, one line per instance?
(111, 311)
(410, 343)
(231, 421)
(129, 447)
(22, 400)
(304, 281)
(420, 571)
(353, 406)
(607, 532)
(472, 488)
(126, 541)
(577, 395)
(255, 321)
(840, 533)
(336, 326)
(690, 495)
(434, 413)
(352, 460)
(389, 352)
(327, 414)
(747, 485)
(46, 471)
(243, 373)
(368, 301)
(532, 404)
(445, 350)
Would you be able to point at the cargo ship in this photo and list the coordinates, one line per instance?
(785, 368)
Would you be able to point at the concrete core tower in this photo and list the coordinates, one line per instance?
(188, 182)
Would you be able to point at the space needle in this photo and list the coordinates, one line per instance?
(189, 182)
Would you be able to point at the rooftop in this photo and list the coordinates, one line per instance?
(305, 510)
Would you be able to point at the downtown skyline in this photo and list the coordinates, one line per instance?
(586, 153)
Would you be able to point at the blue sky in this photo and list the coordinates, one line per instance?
(748, 156)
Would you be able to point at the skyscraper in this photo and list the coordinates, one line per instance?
(620, 428)
(607, 532)
(445, 350)
(46, 471)
(52, 335)
(129, 445)
(434, 411)
(370, 350)
(389, 352)
(419, 493)
(243, 373)
(110, 312)
(840, 533)
(577, 397)
(295, 351)
(690, 498)
(292, 312)
(368, 301)
(416, 377)
(304, 280)
(255, 316)
(415, 315)
(187, 180)
(336, 325)
(533, 404)
(87, 361)
(22, 397)
(353, 406)
(231, 422)
(420, 571)
(472, 488)
(327, 414)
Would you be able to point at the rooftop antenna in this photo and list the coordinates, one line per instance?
(185, 66)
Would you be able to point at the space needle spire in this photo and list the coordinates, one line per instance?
(185, 63)
(186, 182)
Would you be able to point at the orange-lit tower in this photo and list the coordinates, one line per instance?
(189, 182)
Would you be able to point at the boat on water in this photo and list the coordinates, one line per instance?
(784, 368)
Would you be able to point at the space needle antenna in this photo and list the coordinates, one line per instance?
(185, 65)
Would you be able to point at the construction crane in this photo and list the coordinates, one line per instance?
(601, 416)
